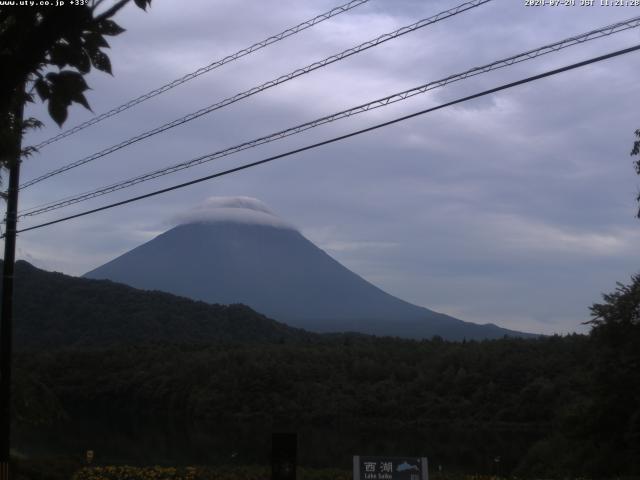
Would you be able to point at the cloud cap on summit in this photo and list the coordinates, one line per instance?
(239, 209)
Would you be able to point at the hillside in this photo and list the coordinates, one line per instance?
(55, 310)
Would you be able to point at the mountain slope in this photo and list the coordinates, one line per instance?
(53, 310)
(277, 271)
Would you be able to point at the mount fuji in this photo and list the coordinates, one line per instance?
(235, 250)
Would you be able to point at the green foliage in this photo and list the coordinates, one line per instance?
(392, 381)
(620, 308)
(614, 416)
(200, 473)
(52, 310)
(33, 402)
(376, 385)
(45, 468)
(99, 348)
(48, 50)
(60, 89)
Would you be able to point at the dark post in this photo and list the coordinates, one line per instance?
(284, 455)
(6, 313)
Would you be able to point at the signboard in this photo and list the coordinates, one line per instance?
(390, 468)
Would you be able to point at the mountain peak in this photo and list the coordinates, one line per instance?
(238, 209)
(221, 252)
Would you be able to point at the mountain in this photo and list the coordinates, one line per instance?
(52, 310)
(234, 250)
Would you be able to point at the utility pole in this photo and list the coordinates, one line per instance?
(6, 312)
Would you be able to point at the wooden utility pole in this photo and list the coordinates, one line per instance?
(6, 312)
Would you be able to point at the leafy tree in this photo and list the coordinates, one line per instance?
(615, 415)
(48, 50)
(621, 307)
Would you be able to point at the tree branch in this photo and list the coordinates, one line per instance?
(112, 11)
(96, 4)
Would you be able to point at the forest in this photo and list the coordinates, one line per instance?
(555, 406)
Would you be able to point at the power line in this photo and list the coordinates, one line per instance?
(341, 137)
(216, 64)
(529, 55)
(272, 83)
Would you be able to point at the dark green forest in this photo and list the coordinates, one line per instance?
(53, 310)
(553, 406)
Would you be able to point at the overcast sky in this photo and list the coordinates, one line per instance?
(516, 209)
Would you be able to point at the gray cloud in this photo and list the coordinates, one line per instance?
(238, 209)
(515, 209)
